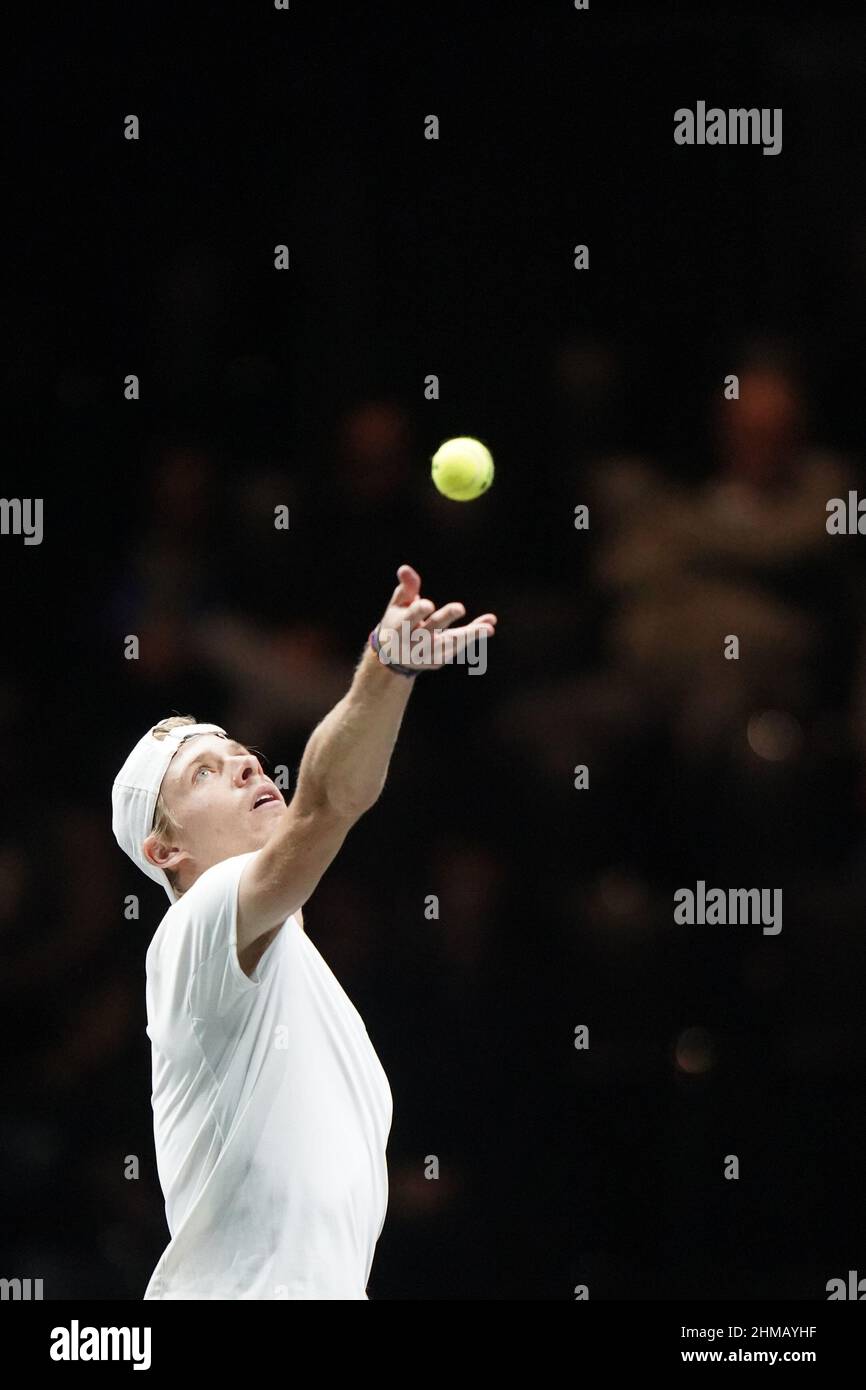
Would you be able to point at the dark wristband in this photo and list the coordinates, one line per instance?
(389, 665)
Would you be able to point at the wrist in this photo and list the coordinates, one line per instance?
(373, 645)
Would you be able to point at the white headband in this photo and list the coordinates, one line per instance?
(136, 788)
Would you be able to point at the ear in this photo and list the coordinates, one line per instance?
(160, 855)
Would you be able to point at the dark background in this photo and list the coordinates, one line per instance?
(603, 387)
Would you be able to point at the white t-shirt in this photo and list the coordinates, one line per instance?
(271, 1111)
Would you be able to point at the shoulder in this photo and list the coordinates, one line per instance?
(205, 912)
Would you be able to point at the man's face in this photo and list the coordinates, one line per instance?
(214, 788)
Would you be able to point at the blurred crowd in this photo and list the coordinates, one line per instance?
(554, 903)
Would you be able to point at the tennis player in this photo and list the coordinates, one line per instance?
(271, 1109)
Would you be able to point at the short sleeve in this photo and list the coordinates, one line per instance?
(196, 968)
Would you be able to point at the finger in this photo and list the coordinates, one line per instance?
(483, 626)
(455, 639)
(445, 615)
(414, 613)
(409, 586)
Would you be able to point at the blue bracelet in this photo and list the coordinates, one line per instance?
(389, 665)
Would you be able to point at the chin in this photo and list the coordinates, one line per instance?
(266, 832)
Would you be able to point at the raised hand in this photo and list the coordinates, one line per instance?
(413, 633)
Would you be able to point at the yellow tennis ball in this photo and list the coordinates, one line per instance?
(462, 469)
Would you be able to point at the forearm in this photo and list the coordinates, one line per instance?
(346, 759)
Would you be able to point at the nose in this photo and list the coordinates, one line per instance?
(248, 766)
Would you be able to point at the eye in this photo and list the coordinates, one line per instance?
(200, 770)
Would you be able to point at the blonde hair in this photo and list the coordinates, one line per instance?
(165, 827)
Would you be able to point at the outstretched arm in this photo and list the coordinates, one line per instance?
(345, 763)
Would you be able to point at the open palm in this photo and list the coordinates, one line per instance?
(408, 614)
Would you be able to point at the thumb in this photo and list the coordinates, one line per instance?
(409, 586)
